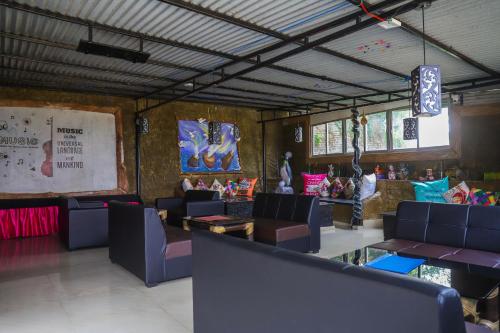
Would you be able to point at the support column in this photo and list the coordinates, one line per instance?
(137, 155)
(357, 211)
(264, 159)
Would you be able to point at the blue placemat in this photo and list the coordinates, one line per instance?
(395, 264)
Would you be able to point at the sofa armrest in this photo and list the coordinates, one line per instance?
(155, 243)
(205, 208)
(168, 203)
(84, 227)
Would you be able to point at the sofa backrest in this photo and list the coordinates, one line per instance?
(447, 224)
(290, 207)
(412, 217)
(293, 208)
(483, 232)
(136, 238)
(461, 226)
(194, 195)
(285, 291)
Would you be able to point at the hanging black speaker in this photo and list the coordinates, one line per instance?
(214, 133)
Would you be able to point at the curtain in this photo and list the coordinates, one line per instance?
(28, 222)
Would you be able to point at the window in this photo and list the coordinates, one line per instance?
(383, 132)
(376, 131)
(350, 136)
(319, 139)
(334, 137)
(398, 141)
(434, 131)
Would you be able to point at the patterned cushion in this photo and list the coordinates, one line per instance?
(246, 186)
(457, 194)
(481, 198)
(431, 191)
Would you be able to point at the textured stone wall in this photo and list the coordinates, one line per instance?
(160, 166)
(126, 105)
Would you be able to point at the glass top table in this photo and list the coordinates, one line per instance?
(477, 285)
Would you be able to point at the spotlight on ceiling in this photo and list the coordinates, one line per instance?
(90, 47)
(188, 84)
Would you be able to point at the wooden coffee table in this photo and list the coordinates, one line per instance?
(221, 224)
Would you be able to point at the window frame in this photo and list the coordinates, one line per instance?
(389, 134)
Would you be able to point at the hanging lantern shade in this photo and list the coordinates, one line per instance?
(363, 120)
(426, 91)
(142, 125)
(214, 133)
(236, 133)
(410, 128)
(298, 134)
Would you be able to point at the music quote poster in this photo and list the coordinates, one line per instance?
(53, 150)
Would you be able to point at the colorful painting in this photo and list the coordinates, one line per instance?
(197, 156)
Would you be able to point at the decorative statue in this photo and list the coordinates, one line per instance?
(379, 172)
(286, 171)
(391, 174)
(331, 171)
(357, 208)
(429, 174)
(284, 186)
(403, 172)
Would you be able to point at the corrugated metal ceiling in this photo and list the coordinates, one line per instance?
(207, 42)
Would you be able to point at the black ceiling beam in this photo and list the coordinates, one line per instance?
(436, 43)
(84, 67)
(448, 49)
(468, 82)
(273, 33)
(460, 89)
(145, 77)
(31, 83)
(234, 59)
(359, 25)
(125, 85)
(96, 90)
(268, 103)
(319, 29)
(164, 64)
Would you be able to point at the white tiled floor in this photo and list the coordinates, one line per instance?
(43, 288)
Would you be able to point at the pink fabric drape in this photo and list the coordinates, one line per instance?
(28, 222)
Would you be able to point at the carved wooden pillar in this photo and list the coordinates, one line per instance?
(357, 211)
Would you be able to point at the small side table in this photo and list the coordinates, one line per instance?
(223, 224)
(389, 220)
(239, 206)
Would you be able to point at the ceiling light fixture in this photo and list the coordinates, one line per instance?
(91, 47)
(425, 85)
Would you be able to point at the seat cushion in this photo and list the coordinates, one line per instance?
(475, 257)
(433, 251)
(395, 245)
(178, 242)
(276, 231)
